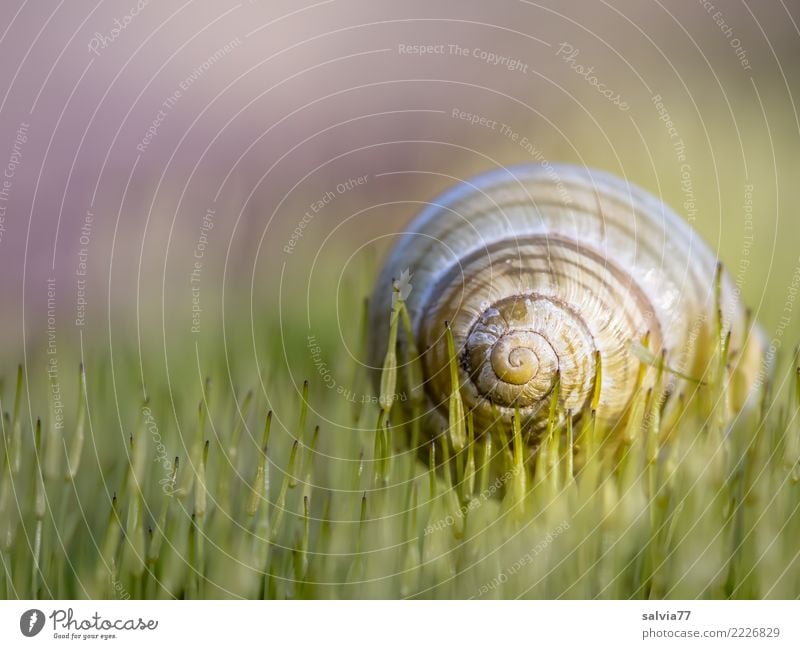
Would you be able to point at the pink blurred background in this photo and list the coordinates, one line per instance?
(306, 97)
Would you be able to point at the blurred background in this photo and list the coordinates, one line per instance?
(195, 189)
(173, 167)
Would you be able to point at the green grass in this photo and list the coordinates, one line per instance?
(225, 482)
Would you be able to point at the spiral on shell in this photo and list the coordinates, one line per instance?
(546, 278)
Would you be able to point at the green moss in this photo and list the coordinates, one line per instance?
(252, 487)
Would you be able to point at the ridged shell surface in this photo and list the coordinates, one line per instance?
(541, 270)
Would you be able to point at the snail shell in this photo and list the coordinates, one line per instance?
(539, 271)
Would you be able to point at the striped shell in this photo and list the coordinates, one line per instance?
(539, 271)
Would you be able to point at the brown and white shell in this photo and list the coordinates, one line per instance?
(537, 269)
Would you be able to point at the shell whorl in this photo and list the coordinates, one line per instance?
(540, 273)
(526, 313)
